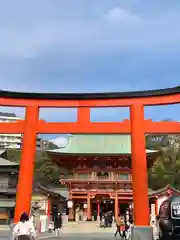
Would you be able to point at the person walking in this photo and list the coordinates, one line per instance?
(119, 224)
(110, 219)
(125, 230)
(95, 216)
(129, 230)
(105, 220)
(100, 215)
(58, 224)
(24, 229)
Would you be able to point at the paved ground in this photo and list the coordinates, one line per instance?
(4, 235)
(84, 236)
(86, 231)
(68, 236)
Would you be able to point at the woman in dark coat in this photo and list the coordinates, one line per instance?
(106, 220)
(110, 219)
(58, 224)
(95, 215)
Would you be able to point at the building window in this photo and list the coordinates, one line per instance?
(4, 182)
(83, 176)
(2, 210)
(69, 176)
(123, 176)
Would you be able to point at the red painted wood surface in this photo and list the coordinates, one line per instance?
(123, 127)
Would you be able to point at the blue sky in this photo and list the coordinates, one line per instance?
(90, 46)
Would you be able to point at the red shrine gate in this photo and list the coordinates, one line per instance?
(137, 127)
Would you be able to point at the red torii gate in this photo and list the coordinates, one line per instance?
(137, 127)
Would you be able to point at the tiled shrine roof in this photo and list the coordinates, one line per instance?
(4, 162)
(98, 144)
(163, 190)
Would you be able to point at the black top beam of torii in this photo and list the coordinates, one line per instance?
(90, 96)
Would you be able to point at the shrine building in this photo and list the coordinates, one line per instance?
(97, 171)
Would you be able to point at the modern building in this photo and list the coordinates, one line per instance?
(99, 175)
(15, 140)
(10, 140)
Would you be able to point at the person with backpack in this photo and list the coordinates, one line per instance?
(24, 229)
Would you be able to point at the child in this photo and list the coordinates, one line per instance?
(50, 227)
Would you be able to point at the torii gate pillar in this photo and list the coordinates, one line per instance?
(25, 182)
(139, 166)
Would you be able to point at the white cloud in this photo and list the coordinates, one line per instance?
(121, 15)
(60, 141)
(116, 29)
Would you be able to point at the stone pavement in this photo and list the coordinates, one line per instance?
(68, 236)
(83, 236)
(4, 235)
(73, 231)
(86, 227)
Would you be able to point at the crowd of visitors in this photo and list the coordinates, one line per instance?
(25, 228)
(106, 219)
(123, 226)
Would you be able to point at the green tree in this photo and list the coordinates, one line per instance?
(166, 169)
(45, 171)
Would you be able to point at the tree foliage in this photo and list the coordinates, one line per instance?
(166, 169)
(45, 172)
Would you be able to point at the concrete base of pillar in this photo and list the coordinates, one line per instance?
(142, 233)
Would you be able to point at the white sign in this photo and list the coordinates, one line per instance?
(85, 205)
(175, 210)
(40, 204)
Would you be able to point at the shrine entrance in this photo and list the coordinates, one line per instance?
(107, 205)
(123, 208)
(101, 204)
(137, 126)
